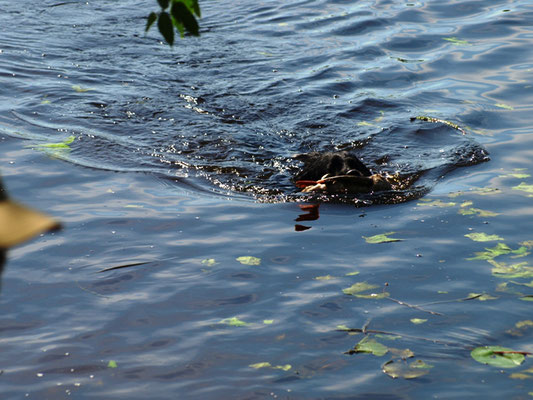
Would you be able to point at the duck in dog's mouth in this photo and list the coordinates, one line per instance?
(339, 172)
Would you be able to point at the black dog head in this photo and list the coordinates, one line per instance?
(317, 165)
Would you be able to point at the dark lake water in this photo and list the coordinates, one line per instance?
(177, 166)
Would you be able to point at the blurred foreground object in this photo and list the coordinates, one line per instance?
(19, 223)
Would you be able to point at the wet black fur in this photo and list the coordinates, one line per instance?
(316, 165)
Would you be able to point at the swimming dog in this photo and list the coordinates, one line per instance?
(338, 172)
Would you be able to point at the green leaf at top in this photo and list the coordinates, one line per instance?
(489, 355)
(381, 238)
(482, 237)
(183, 15)
(164, 23)
(193, 6)
(150, 20)
(163, 4)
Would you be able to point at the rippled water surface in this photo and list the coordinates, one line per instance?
(178, 163)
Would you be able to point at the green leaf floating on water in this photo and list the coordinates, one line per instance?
(514, 271)
(209, 262)
(324, 278)
(55, 149)
(342, 328)
(482, 237)
(481, 296)
(418, 321)
(457, 42)
(353, 273)
(234, 321)
(525, 323)
(405, 370)
(372, 346)
(479, 212)
(249, 260)
(381, 238)
(521, 328)
(260, 365)
(524, 187)
(65, 144)
(505, 106)
(285, 367)
(516, 175)
(112, 364)
(435, 203)
(79, 89)
(498, 250)
(527, 243)
(357, 288)
(497, 356)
